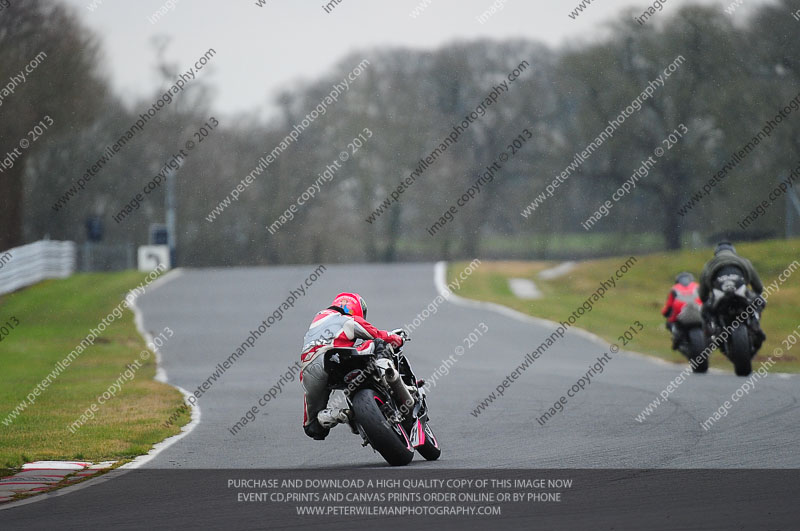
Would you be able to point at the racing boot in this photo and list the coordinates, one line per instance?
(328, 418)
(676, 339)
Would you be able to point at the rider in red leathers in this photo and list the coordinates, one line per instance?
(343, 324)
(685, 291)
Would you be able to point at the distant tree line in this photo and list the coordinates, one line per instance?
(731, 81)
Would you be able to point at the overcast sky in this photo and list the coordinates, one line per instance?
(263, 49)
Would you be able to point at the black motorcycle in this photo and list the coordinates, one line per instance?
(691, 337)
(387, 402)
(729, 301)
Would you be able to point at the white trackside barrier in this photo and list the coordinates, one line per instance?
(26, 265)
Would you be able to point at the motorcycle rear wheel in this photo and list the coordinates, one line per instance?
(389, 440)
(739, 351)
(697, 344)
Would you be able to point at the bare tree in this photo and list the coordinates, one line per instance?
(64, 85)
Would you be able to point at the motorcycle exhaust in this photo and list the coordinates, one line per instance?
(399, 389)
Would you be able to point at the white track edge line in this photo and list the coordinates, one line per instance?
(161, 376)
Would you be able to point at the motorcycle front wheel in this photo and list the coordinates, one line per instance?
(430, 449)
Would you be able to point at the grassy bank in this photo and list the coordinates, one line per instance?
(54, 317)
(640, 294)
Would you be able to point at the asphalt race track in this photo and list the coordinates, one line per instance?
(213, 311)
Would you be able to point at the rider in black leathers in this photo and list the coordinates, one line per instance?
(727, 262)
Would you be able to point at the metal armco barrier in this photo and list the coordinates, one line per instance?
(26, 265)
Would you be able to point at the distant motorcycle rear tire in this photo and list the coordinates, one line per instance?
(739, 350)
(697, 344)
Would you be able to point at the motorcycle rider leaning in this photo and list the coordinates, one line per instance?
(343, 324)
(685, 291)
(727, 262)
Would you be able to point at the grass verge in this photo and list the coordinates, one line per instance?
(641, 293)
(54, 317)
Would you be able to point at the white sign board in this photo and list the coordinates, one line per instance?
(151, 256)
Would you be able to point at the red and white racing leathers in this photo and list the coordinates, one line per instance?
(679, 296)
(332, 329)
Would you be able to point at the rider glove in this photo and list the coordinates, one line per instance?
(395, 340)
